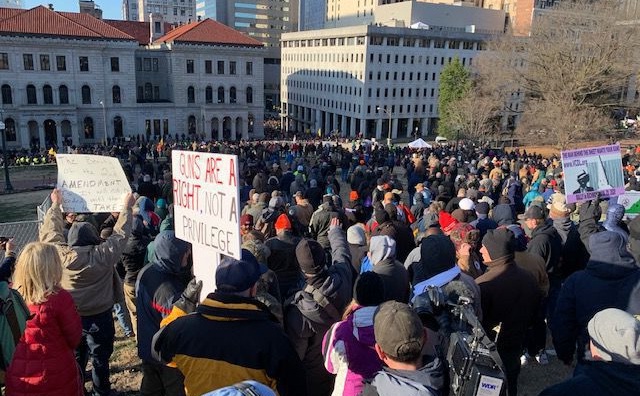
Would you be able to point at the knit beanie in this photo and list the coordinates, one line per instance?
(369, 289)
(437, 254)
(283, 223)
(499, 243)
(482, 208)
(311, 256)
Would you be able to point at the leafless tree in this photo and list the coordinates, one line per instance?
(570, 74)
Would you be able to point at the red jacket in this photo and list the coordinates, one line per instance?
(44, 362)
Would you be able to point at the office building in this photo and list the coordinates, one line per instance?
(176, 12)
(380, 79)
(85, 80)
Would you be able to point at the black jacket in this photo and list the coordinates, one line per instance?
(402, 235)
(600, 379)
(395, 278)
(319, 224)
(284, 263)
(135, 251)
(546, 243)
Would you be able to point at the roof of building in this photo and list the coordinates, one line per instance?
(41, 21)
(139, 30)
(208, 31)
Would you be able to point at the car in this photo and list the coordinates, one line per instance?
(441, 139)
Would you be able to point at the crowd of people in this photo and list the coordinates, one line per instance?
(341, 245)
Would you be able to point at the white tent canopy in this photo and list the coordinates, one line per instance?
(419, 144)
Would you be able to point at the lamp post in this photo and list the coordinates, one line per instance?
(104, 118)
(5, 159)
(387, 112)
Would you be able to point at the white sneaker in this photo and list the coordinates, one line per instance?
(524, 359)
(542, 358)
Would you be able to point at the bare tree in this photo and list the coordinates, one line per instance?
(572, 71)
(476, 115)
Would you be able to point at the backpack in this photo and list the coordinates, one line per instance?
(14, 314)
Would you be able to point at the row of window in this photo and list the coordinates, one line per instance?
(352, 107)
(29, 62)
(220, 67)
(87, 126)
(150, 93)
(63, 94)
(287, 71)
(391, 41)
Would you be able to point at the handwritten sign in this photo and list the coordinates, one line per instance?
(91, 183)
(206, 200)
(591, 172)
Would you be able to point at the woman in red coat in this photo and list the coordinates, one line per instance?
(44, 362)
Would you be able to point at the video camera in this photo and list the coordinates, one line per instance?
(475, 367)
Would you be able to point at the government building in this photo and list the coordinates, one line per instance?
(72, 79)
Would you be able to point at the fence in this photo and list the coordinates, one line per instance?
(24, 232)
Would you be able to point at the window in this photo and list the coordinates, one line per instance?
(232, 95)
(7, 98)
(147, 64)
(84, 63)
(86, 94)
(63, 94)
(4, 61)
(148, 91)
(88, 128)
(191, 95)
(190, 67)
(232, 67)
(208, 94)
(10, 130)
(156, 92)
(32, 98)
(115, 94)
(61, 63)
(155, 64)
(249, 95)
(249, 68)
(45, 64)
(220, 67)
(47, 94)
(220, 94)
(115, 64)
(27, 60)
(117, 126)
(208, 67)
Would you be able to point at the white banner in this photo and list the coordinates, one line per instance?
(206, 201)
(91, 183)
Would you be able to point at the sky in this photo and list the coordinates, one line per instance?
(111, 9)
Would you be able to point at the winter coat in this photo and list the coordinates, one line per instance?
(348, 352)
(574, 254)
(401, 233)
(44, 361)
(608, 281)
(284, 263)
(307, 320)
(395, 278)
(135, 251)
(483, 224)
(159, 285)
(88, 264)
(426, 381)
(358, 253)
(534, 264)
(510, 296)
(600, 379)
(546, 243)
(319, 224)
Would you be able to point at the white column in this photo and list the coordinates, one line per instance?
(378, 128)
(343, 127)
(394, 128)
(410, 127)
(363, 126)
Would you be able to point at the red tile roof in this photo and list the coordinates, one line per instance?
(208, 31)
(139, 30)
(41, 21)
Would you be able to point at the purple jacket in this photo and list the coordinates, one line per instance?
(348, 352)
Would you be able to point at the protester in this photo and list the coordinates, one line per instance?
(43, 361)
(395, 277)
(89, 275)
(230, 337)
(282, 259)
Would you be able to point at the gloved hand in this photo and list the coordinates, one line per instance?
(190, 296)
(591, 210)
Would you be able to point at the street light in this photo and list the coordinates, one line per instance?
(5, 159)
(387, 112)
(104, 118)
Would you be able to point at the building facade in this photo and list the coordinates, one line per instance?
(312, 14)
(176, 12)
(372, 81)
(11, 3)
(89, 80)
(265, 21)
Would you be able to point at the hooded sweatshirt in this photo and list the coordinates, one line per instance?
(159, 285)
(395, 276)
(609, 280)
(426, 381)
(503, 214)
(348, 352)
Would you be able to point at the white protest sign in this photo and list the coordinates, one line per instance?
(206, 200)
(205, 264)
(91, 183)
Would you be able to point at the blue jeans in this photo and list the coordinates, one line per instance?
(124, 320)
(98, 333)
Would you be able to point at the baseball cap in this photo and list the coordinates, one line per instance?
(466, 204)
(398, 331)
(234, 275)
(534, 212)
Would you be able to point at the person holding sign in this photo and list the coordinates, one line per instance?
(88, 274)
